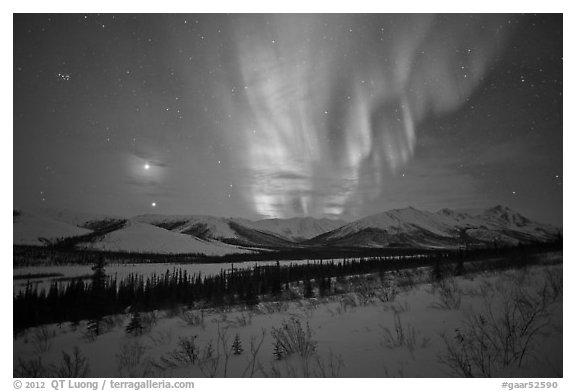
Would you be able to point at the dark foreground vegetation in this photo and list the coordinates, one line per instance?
(106, 295)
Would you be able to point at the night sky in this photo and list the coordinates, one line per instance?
(288, 115)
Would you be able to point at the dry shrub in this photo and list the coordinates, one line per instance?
(185, 354)
(33, 368)
(402, 336)
(193, 318)
(554, 282)
(244, 319)
(398, 308)
(449, 294)
(406, 280)
(387, 294)
(41, 337)
(132, 360)
(503, 333)
(75, 365)
(313, 366)
(292, 338)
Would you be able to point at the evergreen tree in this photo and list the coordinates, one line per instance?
(460, 267)
(237, 345)
(324, 286)
(135, 327)
(251, 297)
(94, 326)
(278, 352)
(437, 272)
(308, 289)
(98, 297)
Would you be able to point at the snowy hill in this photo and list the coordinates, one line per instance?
(205, 227)
(227, 230)
(32, 229)
(399, 221)
(146, 238)
(79, 219)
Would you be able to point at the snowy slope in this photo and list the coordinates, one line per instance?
(205, 227)
(79, 219)
(146, 238)
(445, 228)
(400, 221)
(501, 224)
(272, 232)
(230, 231)
(30, 229)
(297, 228)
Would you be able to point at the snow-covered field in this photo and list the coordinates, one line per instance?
(403, 329)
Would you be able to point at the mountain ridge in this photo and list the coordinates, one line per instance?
(210, 235)
(444, 228)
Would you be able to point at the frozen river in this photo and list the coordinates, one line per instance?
(23, 275)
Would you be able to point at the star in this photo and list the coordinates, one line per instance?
(281, 139)
(63, 76)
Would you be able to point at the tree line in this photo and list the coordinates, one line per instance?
(106, 295)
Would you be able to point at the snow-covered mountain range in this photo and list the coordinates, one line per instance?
(210, 235)
(411, 227)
